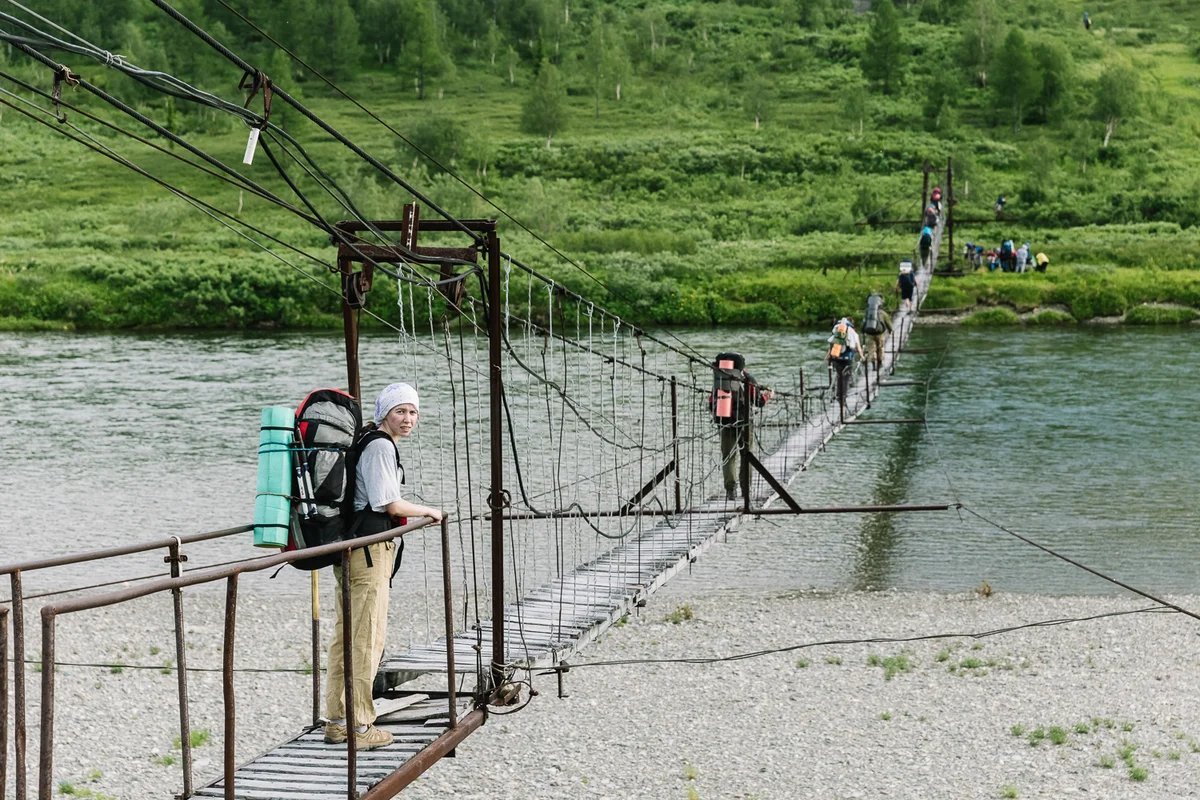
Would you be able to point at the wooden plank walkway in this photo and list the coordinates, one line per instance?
(550, 624)
(306, 768)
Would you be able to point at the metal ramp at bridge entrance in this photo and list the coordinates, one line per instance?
(306, 768)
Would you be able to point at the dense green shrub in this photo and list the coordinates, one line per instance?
(993, 316)
(1050, 316)
(1147, 314)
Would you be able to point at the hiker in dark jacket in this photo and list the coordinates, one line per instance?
(906, 284)
(926, 245)
(735, 393)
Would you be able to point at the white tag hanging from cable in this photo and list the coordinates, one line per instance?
(251, 146)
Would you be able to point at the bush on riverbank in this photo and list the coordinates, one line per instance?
(1085, 292)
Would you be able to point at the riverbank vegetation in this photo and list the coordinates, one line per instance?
(735, 162)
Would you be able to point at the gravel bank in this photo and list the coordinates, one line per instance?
(943, 718)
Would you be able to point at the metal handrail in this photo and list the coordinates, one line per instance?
(113, 552)
(230, 574)
(17, 601)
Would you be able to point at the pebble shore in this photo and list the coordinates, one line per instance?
(1104, 708)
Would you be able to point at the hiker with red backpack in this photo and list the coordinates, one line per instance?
(378, 505)
(734, 395)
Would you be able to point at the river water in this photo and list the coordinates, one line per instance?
(1083, 441)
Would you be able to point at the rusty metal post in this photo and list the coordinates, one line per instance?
(867, 373)
(449, 610)
(743, 443)
(231, 587)
(185, 724)
(3, 699)
(350, 327)
(949, 198)
(675, 442)
(18, 607)
(315, 616)
(348, 678)
(496, 495)
(925, 188)
(46, 751)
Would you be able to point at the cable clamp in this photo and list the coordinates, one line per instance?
(254, 82)
(62, 74)
(499, 500)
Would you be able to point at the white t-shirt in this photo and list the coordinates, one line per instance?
(378, 478)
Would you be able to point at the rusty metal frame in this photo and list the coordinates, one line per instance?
(17, 600)
(353, 249)
(4, 699)
(51, 611)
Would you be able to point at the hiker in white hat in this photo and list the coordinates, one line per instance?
(379, 505)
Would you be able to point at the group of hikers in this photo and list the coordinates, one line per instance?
(736, 393)
(1008, 257)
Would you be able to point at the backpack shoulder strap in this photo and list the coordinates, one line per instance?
(352, 457)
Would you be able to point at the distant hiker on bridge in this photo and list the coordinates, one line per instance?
(1000, 201)
(735, 392)
(1087, 22)
(906, 284)
(844, 345)
(931, 217)
(379, 505)
(926, 245)
(935, 198)
(877, 324)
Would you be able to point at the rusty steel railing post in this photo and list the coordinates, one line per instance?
(46, 751)
(231, 587)
(949, 199)
(867, 372)
(449, 608)
(315, 616)
(350, 326)
(19, 743)
(496, 494)
(185, 724)
(3, 699)
(743, 443)
(348, 679)
(675, 442)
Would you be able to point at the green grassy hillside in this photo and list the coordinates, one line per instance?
(733, 182)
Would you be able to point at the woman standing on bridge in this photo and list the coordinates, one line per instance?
(379, 505)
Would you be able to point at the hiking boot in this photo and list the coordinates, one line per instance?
(334, 733)
(731, 494)
(372, 738)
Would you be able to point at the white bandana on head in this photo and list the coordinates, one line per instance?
(392, 396)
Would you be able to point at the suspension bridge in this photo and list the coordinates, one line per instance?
(575, 452)
(571, 561)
